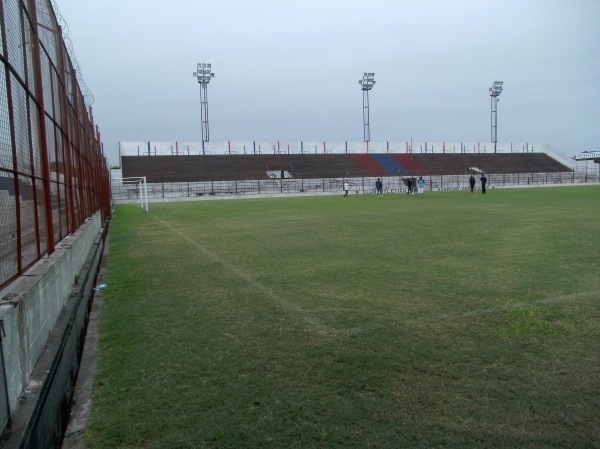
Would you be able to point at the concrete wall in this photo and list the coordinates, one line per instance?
(30, 307)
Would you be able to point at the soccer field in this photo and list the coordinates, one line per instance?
(452, 320)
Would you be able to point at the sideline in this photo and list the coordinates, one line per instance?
(272, 295)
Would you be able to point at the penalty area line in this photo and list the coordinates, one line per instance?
(473, 313)
(521, 304)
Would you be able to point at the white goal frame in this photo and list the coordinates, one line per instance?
(141, 181)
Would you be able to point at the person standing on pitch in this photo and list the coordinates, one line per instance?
(483, 180)
(472, 182)
(346, 188)
(421, 184)
(379, 187)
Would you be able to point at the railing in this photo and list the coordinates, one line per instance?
(53, 174)
(173, 191)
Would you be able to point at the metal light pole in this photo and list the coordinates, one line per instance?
(495, 91)
(366, 84)
(204, 76)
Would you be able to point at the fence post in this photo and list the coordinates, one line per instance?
(41, 116)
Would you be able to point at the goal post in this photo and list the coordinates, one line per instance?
(141, 188)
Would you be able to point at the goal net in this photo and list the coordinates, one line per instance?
(134, 189)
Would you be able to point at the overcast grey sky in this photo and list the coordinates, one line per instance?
(290, 70)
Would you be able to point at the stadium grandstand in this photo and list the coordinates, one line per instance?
(180, 170)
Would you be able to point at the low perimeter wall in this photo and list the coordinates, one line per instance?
(31, 306)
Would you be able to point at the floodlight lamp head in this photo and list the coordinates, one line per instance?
(496, 88)
(367, 82)
(203, 73)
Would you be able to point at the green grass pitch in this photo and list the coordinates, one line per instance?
(452, 320)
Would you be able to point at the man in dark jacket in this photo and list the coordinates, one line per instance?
(379, 186)
(483, 180)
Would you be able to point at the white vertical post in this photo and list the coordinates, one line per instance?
(145, 198)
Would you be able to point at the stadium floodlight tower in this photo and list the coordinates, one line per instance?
(495, 91)
(366, 84)
(204, 76)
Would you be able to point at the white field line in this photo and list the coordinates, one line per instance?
(272, 295)
(319, 326)
(476, 312)
(515, 305)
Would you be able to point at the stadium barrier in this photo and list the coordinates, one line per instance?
(54, 182)
(184, 191)
(53, 174)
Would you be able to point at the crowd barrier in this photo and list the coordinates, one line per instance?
(184, 191)
(53, 179)
(53, 174)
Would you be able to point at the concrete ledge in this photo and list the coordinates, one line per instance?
(32, 305)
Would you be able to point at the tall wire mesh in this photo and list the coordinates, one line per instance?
(53, 174)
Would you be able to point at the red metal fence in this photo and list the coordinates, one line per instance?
(53, 173)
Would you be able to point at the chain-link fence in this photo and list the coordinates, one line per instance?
(53, 174)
